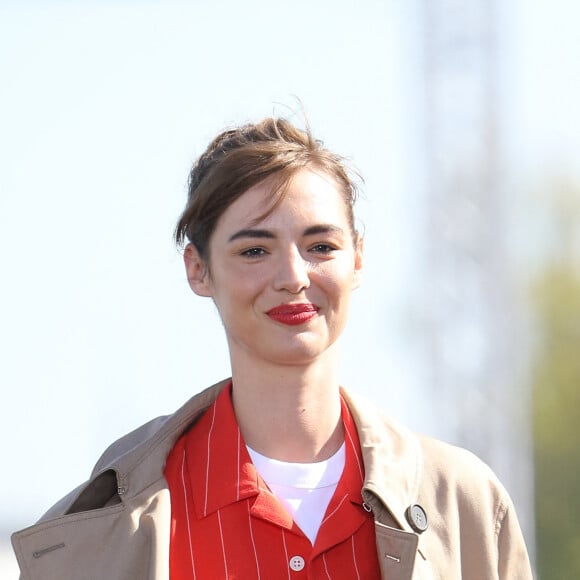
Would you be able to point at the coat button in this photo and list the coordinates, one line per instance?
(417, 518)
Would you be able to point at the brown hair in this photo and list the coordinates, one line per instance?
(237, 159)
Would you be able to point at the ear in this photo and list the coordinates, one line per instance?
(197, 271)
(358, 261)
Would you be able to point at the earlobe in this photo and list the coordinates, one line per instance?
(358, 262)
(197, 271)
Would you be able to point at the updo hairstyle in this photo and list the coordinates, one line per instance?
(238, 159)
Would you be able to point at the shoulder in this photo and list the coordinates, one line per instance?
(455, 464)
(129, 442)
(456, 480)
(470, 508)
(158, 435)
(442, 463)
(138, 457)
(435, 472)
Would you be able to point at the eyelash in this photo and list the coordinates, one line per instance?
(323, 248)
(253, 253)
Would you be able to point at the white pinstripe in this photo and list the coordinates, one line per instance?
(223, 546)
(187, 514)
(353, 447)
(239, 452)
(253, 542)
(354, 557)
(325, 568)
(286, 551)
(334, 510)
(208, 458)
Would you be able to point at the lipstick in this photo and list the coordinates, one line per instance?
(293, 314)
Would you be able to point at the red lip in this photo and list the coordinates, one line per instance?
(293, 314)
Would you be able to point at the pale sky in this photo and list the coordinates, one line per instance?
(103, 110)
(103, 107)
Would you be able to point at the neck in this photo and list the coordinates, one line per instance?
(289, 413)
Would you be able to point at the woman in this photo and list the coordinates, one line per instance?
(277, 472)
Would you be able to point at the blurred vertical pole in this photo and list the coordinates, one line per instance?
(477, 362)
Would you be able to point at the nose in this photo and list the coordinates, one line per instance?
(292, 274)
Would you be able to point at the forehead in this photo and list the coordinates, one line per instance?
(308, 195)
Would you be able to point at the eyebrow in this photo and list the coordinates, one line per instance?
(251, 233)
(268, 234)
(323, 229)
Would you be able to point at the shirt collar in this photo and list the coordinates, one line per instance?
(220, 469)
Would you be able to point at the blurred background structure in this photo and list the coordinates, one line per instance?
(472, 318)
(463, 119)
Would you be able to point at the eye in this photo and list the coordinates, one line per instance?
(322, 249)
(253, 253)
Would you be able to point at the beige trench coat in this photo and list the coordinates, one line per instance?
(116, 526)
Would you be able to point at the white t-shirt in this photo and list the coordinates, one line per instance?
(305, 489)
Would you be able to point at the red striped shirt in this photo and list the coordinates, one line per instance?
(225, 522)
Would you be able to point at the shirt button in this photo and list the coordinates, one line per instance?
(296, 563)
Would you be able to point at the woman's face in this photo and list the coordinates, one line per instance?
(282, 285)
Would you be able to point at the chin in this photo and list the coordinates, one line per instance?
(297, 354)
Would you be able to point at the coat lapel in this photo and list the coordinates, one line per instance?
(397, 551)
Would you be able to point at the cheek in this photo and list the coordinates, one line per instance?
(337, 282)
(237, 287)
